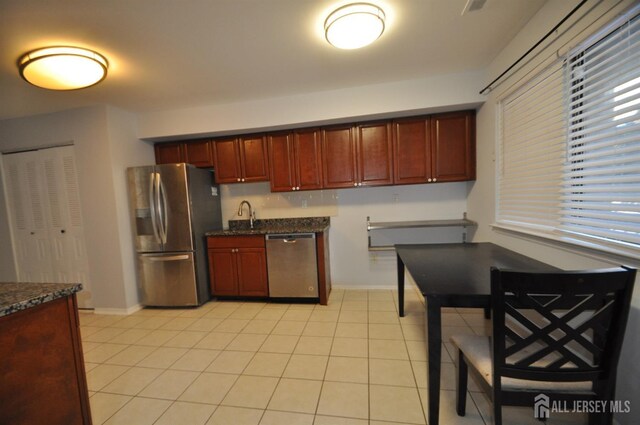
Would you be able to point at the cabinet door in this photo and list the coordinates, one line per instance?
(281, 158)
(453, 146)
(412, 151)
(169, 153)
(199, 153)
(226, 156)
(223, 271)
(374, 154)
(308, 159)
(252, 272)
(253, 157)
(339, 157)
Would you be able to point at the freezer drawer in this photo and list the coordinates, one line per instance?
(292, 265)
(167, 279)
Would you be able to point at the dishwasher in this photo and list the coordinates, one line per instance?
(292, 265)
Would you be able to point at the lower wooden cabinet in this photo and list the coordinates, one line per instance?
(238, 266)
(42, 368)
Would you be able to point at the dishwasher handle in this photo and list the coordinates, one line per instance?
(290, 237)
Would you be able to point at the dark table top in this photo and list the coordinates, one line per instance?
(461, 269)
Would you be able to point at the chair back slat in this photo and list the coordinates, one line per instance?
(564, 326)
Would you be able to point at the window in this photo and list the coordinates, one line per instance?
(570, 147)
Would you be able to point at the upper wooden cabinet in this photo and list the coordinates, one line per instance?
(439, 148)
(453, 146)
(412, 150)
(374, 154)
(199, 153)
(295, 160)
(169, 153)
(241, 159)
(425, 149)
(357, 156)
(339, 157)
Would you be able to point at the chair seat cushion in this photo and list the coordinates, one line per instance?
(477, 350)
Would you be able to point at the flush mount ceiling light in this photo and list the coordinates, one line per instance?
(63, 68)
(354, 25)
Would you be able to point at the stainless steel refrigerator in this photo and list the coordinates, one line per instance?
(173, 205)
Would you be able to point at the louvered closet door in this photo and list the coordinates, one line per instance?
(31, 237)
(46, 218)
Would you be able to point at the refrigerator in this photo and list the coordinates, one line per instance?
(172, 206)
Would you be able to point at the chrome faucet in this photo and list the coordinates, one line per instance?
(252, 214)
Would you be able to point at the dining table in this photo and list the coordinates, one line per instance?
(452, 275)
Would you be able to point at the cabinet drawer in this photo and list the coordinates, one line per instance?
(235, 241)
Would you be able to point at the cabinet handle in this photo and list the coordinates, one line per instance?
(359, 184)
(239, 179)
(298, 188)
(355, 184)
(429, 180)
(434, 180)
(243, 179)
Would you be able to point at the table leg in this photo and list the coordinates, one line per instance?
(434, 348)
(400, 287)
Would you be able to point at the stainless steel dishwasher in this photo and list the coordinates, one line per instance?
(292, 265)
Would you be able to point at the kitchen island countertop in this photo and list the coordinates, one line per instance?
(271, 226)
(17, 296)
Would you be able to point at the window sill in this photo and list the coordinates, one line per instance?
(569, 245)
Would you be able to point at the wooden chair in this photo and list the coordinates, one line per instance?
(556, 335)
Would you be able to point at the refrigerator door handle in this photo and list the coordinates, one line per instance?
(152, 206)
(155, 257)
(158, 208)
(164, 209)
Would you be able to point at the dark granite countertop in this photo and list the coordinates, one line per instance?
(16, 296)
(274, 225)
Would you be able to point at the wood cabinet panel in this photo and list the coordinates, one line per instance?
(42, 368)
(238, 266)
(252, 272)
(253, 158)
(374, 154)
(226, 158)
(308, 159)
(169, 153)
(295, 160)
(339, 157)
(281, 162)
(412, 150)
(223, 271)
(256, 241)
(453, 146)
(199, 153)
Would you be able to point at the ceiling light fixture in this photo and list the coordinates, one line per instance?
(63, 68)
(354, 25)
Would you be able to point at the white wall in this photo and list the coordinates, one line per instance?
(481, 201)
(126, 151)
(434, 94)
(100, 136)
(352, 265)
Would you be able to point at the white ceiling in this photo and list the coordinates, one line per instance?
(168, 54)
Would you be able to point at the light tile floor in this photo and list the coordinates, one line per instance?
(353, 362)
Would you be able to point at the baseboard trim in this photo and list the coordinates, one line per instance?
(365, 287)
(118, 311)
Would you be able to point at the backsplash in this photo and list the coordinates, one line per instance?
(314, 203)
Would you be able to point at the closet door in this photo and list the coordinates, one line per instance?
(46, 218)
(32, 249)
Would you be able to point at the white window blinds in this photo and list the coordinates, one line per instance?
(532, 152)
(569, 159)
(601, 187)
